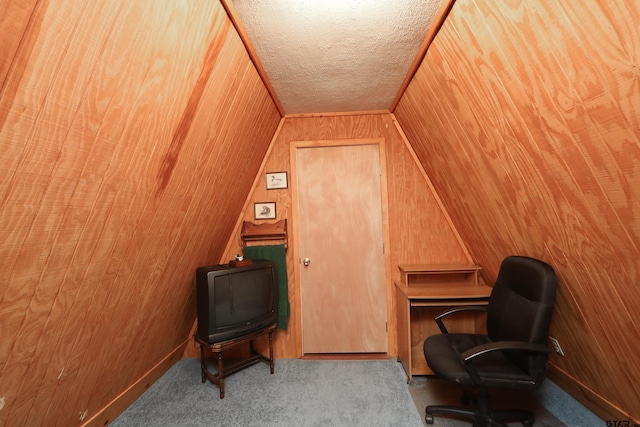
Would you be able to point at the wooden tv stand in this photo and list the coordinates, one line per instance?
(426, 291)
(234, 365)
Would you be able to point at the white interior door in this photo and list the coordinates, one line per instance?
(341, 235)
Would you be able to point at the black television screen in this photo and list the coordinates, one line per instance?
(235, 301)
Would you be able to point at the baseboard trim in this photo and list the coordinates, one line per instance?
(345, 356)
(117, 406)
(587, 397)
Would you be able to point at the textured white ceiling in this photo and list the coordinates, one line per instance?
(336, 55)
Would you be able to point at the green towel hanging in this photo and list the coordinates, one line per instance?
(276, 254)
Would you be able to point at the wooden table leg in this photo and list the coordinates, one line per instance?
(271, 351)
(234, 366)
(203, 366)
(221, 375)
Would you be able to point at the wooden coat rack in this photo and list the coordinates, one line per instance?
(267, 231)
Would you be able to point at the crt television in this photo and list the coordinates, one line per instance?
(235, 301)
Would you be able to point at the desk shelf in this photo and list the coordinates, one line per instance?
(418, 274)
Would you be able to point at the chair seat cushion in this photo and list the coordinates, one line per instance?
(442, 353)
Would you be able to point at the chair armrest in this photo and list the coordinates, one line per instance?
(468, 355)
(441, 316)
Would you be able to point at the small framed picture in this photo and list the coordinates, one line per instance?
(276, 180)
(264, 210)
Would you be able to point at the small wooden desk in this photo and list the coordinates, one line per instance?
(234, 365)
(426, 291)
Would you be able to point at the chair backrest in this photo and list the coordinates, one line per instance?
(520, 308)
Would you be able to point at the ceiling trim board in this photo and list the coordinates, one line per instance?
(337, 113)
(244, 36)
(438, 21)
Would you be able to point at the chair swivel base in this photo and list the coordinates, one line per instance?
(481, 415)
(492, 419)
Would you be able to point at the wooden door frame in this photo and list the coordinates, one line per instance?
(294, 236)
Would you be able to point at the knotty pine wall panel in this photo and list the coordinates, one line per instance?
(130, 133)
(525, 116)
(419, 231)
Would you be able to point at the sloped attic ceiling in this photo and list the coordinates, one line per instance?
(335, 56)
(533, 144)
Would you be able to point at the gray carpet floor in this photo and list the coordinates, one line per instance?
(299, 393)
(326, 393)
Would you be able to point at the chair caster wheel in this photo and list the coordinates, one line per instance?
(428, 419)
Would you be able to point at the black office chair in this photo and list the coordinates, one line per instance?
(514, 352)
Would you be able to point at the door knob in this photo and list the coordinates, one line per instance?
(306, 262)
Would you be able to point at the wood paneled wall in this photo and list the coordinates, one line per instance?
(130, 134)
(526, 116)
(419, 230)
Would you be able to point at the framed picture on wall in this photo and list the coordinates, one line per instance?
(264, 210)
(276, 180)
